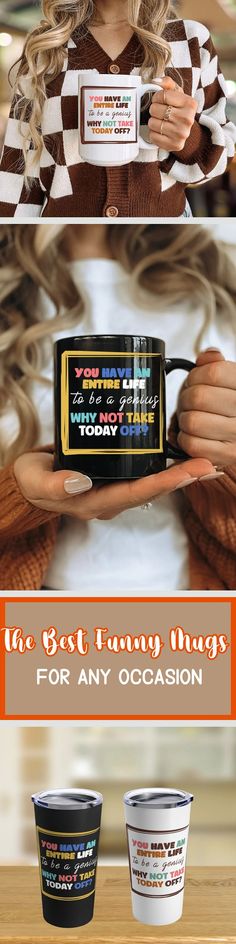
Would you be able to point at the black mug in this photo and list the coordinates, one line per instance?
(68, 828)
(110, 406)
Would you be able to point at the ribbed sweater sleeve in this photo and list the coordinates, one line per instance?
(210, 520)
(17, 514)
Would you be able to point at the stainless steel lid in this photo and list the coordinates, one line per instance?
(157, 798)
(68, 799)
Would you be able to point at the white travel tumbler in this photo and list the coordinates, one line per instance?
(157, 823)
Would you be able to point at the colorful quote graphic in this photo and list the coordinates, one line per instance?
(68, 864)
(157, 861)
(108, 114)
(109, 403)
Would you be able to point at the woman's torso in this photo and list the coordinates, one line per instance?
(138, 552)
(143, 188)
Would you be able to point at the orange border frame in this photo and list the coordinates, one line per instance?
(183, 599)
(2, 663)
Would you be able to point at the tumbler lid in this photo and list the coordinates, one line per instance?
(157, 798)
(68, 799)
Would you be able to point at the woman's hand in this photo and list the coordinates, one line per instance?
(207, 410)
(172, 116)
(71, 493)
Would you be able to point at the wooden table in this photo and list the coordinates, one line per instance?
(209, 912)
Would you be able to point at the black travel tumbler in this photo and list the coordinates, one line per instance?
(110, 406)
(68, 827)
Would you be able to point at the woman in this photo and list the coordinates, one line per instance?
(41, 173)
(173, 530)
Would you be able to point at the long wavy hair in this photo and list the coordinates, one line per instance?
(173, 262)
(45, 52)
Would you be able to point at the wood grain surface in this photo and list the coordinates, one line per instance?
(209, 911)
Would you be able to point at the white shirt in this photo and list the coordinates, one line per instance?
(139, 552)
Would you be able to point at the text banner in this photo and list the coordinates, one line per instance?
(124, 659)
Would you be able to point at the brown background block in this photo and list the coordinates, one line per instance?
(24, 697)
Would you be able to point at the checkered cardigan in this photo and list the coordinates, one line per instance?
(64, 185)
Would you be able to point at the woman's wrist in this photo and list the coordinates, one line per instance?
(199, 137)
(17, 513)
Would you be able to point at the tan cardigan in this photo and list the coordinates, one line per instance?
(28, 535)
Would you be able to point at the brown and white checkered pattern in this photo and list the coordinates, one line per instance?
(153, 185)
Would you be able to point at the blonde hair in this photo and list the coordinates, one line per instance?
(45, 52)
(172, 262)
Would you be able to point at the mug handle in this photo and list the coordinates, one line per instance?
(176, 363)
(146, 145)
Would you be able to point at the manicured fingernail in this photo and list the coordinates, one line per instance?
(77, 483)
(185, 483)
(212, 475)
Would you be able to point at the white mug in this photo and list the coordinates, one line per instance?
(109, 118)
(157, 824)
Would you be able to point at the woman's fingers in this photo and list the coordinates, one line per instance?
(200, 393)
(167, 82)
(166, 143)
(170, 126)
(37, 480)
(176, 115)
(218, 373)
(219, 453)
(173, 94)
(170, 135)
(217, 400)
(111, 500)
(207, 410)
(142, 491)
(170, 131)
(174, 97)
(208, 425)
(45, 488)
(207, 357)
(168, 87)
